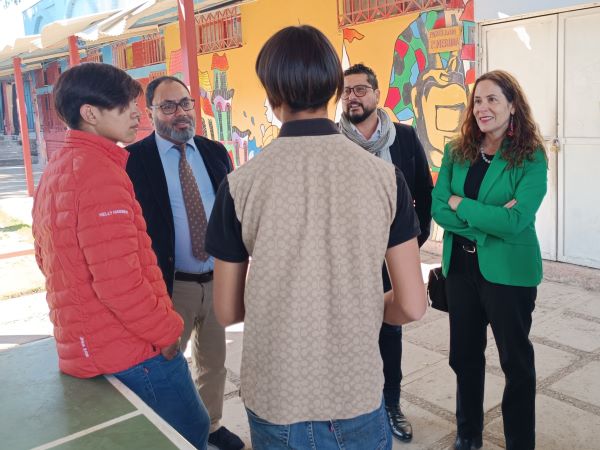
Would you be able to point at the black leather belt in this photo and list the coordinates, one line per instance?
(195, 277)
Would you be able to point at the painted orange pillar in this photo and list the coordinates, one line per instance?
(74, 58)
(189, 49)
(23, 125)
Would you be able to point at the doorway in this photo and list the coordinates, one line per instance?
(556, 58)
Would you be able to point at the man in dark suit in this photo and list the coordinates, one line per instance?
(175, 176)
(371, 128)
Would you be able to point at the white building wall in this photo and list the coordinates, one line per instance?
(495, 9)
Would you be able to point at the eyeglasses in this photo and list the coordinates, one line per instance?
(359, 90)
(168, 108)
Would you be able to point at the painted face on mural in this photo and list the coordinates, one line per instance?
(178, 127)
(439, 99)
(491, 108)
(357, 109)
(270, 115)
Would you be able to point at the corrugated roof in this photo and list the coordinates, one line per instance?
(141, 18)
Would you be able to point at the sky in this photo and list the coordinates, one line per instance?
(11, 21)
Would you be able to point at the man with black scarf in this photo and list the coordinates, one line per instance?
(371, 128)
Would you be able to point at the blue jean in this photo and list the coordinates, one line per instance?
(167, 387)
(368, 431)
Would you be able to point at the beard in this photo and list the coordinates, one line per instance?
(357, 118)
(168, 130)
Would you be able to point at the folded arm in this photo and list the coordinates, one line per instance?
(441, 211)
(505, 222)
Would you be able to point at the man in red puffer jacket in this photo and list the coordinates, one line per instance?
(108, 301)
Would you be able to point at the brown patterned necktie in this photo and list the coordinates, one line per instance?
(193, 206)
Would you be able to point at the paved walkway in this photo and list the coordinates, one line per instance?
(566, 337)
(12, 180)
(565, 333)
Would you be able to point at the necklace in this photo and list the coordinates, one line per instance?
(484, 156)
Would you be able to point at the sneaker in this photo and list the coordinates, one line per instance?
(224, 439)
(401, 427)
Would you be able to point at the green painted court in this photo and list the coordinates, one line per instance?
(41, 408)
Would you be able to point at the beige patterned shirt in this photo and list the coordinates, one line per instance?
(316, 214)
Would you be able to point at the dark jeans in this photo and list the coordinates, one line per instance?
(474, 303)
(390, 347)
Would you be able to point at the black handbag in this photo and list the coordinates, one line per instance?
(436, 289)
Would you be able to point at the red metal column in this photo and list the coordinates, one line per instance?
(74, 58)
(189, 49)
(41, 143)
(23, 124)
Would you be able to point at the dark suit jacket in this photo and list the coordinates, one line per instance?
(409, 156)
(148, 177)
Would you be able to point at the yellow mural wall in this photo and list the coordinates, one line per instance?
(419, 59)
(425, 64)
(260, 19)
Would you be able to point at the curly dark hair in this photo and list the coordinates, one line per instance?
(360, 68)
(526, 138)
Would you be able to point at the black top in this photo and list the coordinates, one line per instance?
(473, 182)
(475, 177)
(308, 127)
(224, 235)
(409, 156)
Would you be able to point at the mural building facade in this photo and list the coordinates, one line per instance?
(425, 62)
(424, 59)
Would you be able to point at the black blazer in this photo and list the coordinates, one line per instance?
(408, 156)
(145, 169)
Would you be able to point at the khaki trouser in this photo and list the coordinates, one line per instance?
(193, 301)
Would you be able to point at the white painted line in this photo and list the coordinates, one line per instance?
(87, 431)
(158, 421)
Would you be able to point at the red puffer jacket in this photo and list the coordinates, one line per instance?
(108, 301)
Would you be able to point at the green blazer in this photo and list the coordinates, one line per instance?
(507, 246)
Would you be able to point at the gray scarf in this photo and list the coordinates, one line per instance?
(380, 147)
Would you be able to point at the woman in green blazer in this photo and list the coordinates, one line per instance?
(491, 183)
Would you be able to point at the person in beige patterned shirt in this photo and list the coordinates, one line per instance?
(318, 215)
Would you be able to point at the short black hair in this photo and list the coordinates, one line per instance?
(96, 84)
(151, 88)
(358, 69)
(299, 67)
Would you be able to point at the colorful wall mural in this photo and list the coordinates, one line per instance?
(233, 101)
(425, 63)
(431, 71)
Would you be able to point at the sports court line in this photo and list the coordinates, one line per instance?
(178, 440)
(87, 431)
(29, 251)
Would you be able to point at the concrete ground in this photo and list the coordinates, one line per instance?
(565, 334)
(20, 274)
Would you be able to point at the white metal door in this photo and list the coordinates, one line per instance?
(579, 127)
(527, 48)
